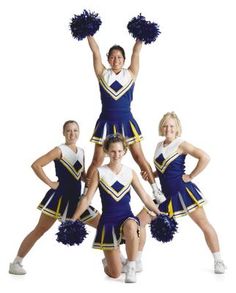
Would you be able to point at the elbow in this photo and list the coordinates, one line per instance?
(206, 158)
(34, 166)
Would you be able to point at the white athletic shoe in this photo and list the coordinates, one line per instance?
(16, 269)
(138, 269)
(130, 275)
(219, 267)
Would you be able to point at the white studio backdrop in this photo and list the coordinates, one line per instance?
(47, 77)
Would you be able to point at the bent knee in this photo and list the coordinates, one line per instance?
(144, 218)
(130, 228)
(113, 272)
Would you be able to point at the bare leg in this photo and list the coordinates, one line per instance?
(131, 239)
(199, 217)
(113, 263)
(131, 244)
(137, 154)
(94, 222)
(144, 219)
(44, 224)
(98, 158)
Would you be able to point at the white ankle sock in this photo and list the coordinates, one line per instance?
(217, 256)
(18, 259)
(139, 255)
(122, 258)
(131, 264)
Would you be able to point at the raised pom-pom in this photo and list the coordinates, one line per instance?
(163, 228)
(143, 30)
(85, 24)
(71, 232)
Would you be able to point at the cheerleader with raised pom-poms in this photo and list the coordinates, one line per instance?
(183, 196)
(61, 200)
(116, 87)
(117, 222)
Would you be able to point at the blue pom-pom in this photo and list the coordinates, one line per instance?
(85, 24)
(143, 30)
(71, 232)
(163, 228)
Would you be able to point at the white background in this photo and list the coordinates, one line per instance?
(47, 78)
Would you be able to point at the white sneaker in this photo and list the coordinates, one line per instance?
(138, 268)
(219, 267)
(130, 275)
(159, 196)
(16, 269)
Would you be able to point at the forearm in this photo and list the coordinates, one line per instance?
(149, 203)
(201, 165)
(137, 47)
(38, 170)
(93, 45)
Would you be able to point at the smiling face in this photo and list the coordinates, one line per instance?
(71, 133)
(169, 129)
(116, 151)
(116, 60)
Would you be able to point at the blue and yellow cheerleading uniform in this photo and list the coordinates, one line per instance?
(116, 96)
(181, 197)
(62, 202)
(115, 196)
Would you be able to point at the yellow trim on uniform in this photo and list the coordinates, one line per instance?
(58, 207)
(116, 95)
(170, 209)
(114, 129)
(162, 167)
(116, 195)
(103, 235)
(71, 168)
(193, 197)
(137, 136)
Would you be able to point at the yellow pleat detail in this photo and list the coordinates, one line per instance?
(170, 209)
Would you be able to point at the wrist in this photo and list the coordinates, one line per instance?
(190, 176)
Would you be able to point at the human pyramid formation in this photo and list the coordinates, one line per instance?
(115, 132)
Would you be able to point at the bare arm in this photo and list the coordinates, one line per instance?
(134, 65)
(83, 174)
(97, 60)
(203, 159)
(87, 198)
(146, 198)
(38, 165)
(144, 174)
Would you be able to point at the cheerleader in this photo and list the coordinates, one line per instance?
(61, 200)
(116, 87)
(117, 222)
(183, 196)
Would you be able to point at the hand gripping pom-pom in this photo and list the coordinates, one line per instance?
(85, 24)
(71, 232)
(163, 228)
(143, 30)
